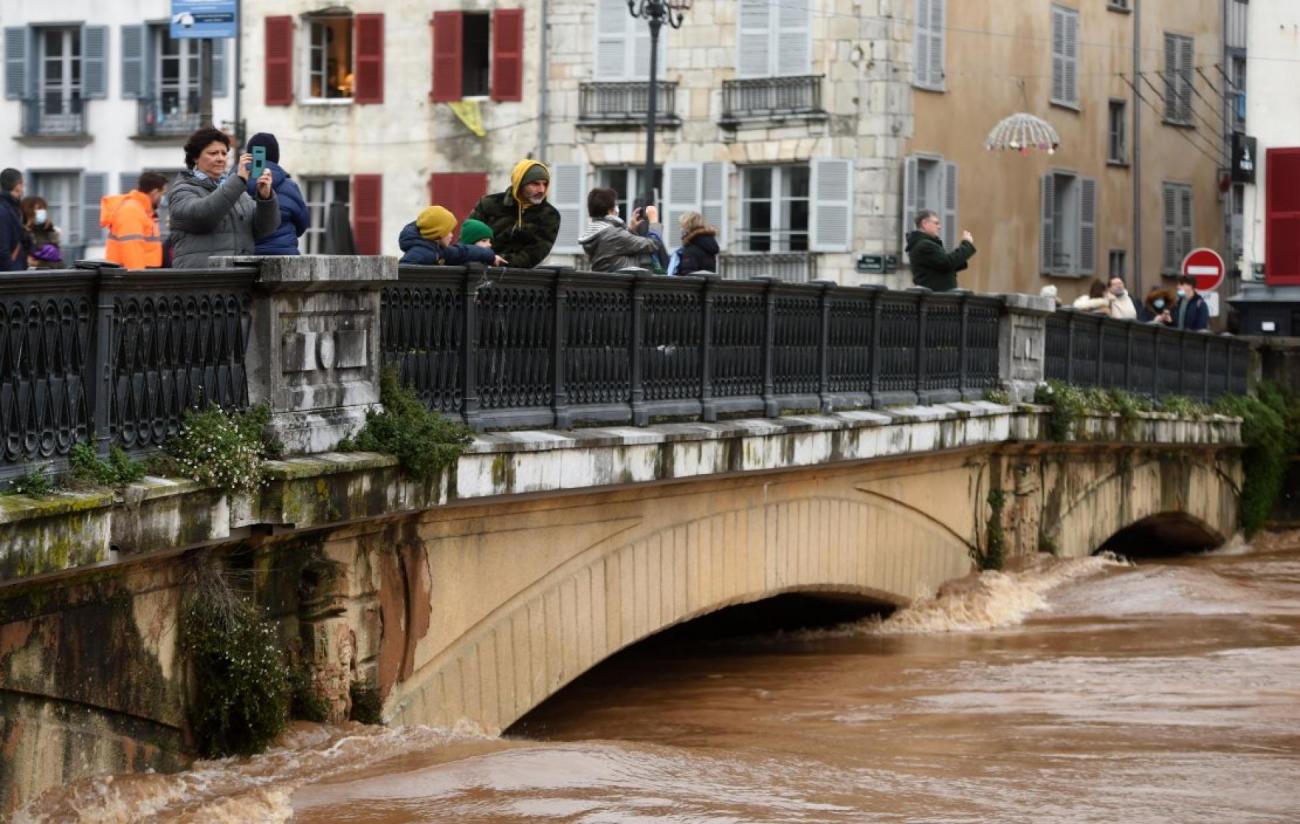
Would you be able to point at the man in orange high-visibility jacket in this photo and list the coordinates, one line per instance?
(133, 239)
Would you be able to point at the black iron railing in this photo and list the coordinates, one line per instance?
(626, 103)
(1151, 360)
(793, 267)
(511, 348)
(772, 97)
(54, 117)
(114, 357)
(166, 117)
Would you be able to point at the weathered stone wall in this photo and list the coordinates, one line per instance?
(481, 595)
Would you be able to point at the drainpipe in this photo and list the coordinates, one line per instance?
(542, 119)
(239, 70)
(1137, 152)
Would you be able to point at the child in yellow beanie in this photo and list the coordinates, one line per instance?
(426, 241)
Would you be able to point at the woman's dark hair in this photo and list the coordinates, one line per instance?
(600, 201)
(201, 140)
(29, 205)
(1097, 289)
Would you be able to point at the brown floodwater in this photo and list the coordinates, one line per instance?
(1074, 691)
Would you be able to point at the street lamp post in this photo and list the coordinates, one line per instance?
(656, 13)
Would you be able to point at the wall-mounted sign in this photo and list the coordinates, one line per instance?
(877, 264)
(204, 19)
(1243, 158)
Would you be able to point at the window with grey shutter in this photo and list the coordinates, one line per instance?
(94, 62)
(1178, 227)
(569, 197)
(623, 45)
(773, 38)
(1179, 55)
(1185, 230)
(94, 185)
(950, 234)
(928, 44)
(1087, 226)
(1065, 56)
(18, 53)
(832, 205)
(133, 57)
(1046, 231)
(219, 80)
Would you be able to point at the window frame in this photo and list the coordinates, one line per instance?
(1117, 131)
(780, 231)
(1179, 79)
(488, 51)
(1070, 97)
(1121, 6)
(318, 209)
(311, 22)
(633, 184)
(924, 79)
(71, 87)
(1122, 256)
(1183, 227)
(67, 220)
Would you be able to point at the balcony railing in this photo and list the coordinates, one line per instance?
(772, 98)
(790, 267)
(166, 118)
(54, 117)
(116, 357)
(622, 104)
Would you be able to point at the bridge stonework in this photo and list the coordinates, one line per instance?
(542, 553)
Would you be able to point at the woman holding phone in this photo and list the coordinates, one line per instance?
(210, 212)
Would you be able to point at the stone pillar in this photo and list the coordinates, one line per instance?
(1022, 344)
(313, 352)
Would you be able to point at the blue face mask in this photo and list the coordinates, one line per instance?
(1159, 303)
(1182, 293)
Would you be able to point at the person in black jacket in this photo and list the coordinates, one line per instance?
(699, 252)
(15, 242)
(426, 241)
(1191, 312)
(932, 267)
(294, 216)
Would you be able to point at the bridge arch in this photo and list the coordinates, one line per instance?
(638, 583)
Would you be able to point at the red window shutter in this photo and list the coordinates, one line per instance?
(508, 54)
(458, 191)
(1282, 232)
(367, 212)
(369, 81)
(448, 37)
(279, 61)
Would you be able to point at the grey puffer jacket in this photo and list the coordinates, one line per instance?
(208, 218)
(611, 247)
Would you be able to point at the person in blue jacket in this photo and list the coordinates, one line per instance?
(294, 215)
(426, 241)
(1190, 312)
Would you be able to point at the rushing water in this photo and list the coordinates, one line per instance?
(1076, 691)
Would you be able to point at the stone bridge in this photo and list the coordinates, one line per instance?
(541, 553)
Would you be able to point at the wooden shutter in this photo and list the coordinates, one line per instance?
(94, 185)
(1185, 226)
(683, 192)
(448, 40)
(754, 39)
(1282, 216)
(936, 46)
(133, 40)
(793, 45)
(94, 63)
(1087, 226)
(950, 234)
(1047, 189)
(569, 197)
(367, 212)
(278, 63)
(911, 172)
(17, 46)
(832, 206)
(713, 198)
(1185, 78)
(1171, 258)
(459, 192)
(369, 81)
(219, 73)
(640, 48)
(508, 55)
(611, 60)
(921, 44)
(1070, 82)
(1058, 55)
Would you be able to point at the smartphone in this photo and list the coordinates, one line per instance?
(259, 162)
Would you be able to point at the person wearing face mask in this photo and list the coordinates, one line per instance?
(1158, 307)
(210, 213)
(45, 252)
(1190, 312)
(1121, 304)
(132, 224)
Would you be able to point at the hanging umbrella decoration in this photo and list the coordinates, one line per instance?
(1023, 132)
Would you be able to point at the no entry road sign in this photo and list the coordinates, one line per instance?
(1206, 266)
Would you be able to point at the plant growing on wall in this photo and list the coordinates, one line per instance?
(221, 449)
(424, 441)
(1269, 421)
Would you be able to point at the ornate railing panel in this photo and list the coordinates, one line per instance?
(672, 339)
(626, 103)
(941, 350)
(797, 340)
(513, 337)
(422, 335)
(772, 97)
(983, 318)
(897, 347)
(115, 358)
(177, 342)
(850, 335)
(597, 339)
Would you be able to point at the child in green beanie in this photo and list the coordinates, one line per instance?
(476, 233)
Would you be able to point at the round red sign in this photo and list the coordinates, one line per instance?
(1206, 266)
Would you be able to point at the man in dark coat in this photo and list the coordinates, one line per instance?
(932, 267)
(15, 242)
(1191, 313)
(523, 224)
(294, 217)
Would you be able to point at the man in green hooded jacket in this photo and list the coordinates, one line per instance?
(932, 267)
(523, 224)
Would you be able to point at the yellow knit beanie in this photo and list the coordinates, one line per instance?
(435, 222)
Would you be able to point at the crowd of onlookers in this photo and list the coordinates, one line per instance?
(1181, 307)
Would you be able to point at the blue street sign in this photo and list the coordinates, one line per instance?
(212, 19)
